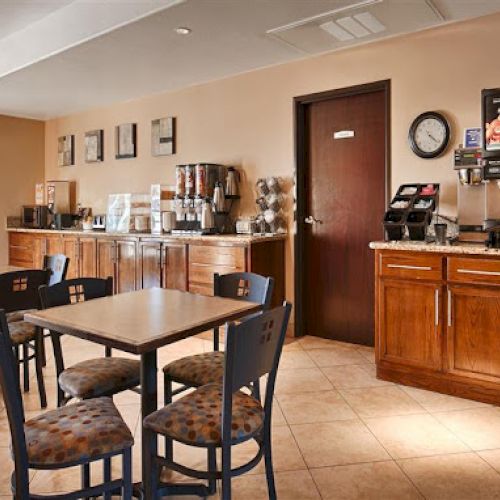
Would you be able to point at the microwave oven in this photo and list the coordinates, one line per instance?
(35, 216)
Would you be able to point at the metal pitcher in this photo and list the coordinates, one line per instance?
(232, 180)
(207, 215)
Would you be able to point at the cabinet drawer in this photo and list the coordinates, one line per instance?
(204, 273)
(217, 256)
(201, 289)
(21, 249)
(468, 270)
(411, 266)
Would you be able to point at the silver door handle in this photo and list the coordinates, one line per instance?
(413, 268)
(436, 307)
(479, 273)
(449, 308)
(311, 220)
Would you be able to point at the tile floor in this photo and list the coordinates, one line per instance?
(338, 432)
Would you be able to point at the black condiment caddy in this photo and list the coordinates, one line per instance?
(413, 215)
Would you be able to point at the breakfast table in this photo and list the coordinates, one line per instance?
(10, 269)
(141, 322)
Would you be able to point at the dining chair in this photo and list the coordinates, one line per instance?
(200, 369)
(77, 434)
(58, 266)
(95, 377)
(221, 415)
(19, 295)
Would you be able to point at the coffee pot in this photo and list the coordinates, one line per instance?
(207, 215)
(219, 198)
(232, 180)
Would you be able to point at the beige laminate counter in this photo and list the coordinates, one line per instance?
(456, 248)
(243, 239)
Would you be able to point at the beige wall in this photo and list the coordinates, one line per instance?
(247, 120)
(22, 155)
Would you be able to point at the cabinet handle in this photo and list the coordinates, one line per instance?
(473, 271)
(436, 307)
(159, 258)
(19, 247)
(449, 308)
(117, 253)
(414, 268)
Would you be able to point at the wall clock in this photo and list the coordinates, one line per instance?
(429, 134)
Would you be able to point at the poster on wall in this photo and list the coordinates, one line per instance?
(163, 136)
(491, 119)
(66, 151)
(472, 137)
(94, 151)
(126, 141)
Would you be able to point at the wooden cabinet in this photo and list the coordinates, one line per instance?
(437, 322)
(118, 258)
(21, 250)
(46, 245)
(87, 257)
(411, 323)
(175, 266)
(150, 264)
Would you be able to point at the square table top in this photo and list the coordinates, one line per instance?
(141, 321)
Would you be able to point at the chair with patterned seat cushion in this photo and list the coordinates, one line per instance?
(95, 377)
(78, 434)
(19, 295)
(220, 415)
(200, 369)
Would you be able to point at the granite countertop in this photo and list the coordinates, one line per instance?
(417, 246)
(228, 238)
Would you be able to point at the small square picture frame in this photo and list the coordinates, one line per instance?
(94, 146)
(126, 141)
(163, 136)
(66, 151)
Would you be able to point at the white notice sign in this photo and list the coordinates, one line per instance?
(343, 134)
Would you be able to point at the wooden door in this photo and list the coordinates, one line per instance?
(149, 265)
(71, 250)
(106, 257)
(126, 266)
(87, 252)
(175, 266)
(473, 331)
(345, 198)
(411, 316)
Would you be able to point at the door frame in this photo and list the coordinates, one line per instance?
(301, 156)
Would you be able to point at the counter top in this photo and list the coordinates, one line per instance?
(417, 246)
(243, 239)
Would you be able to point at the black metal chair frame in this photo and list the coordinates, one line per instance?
(18, 292)
(65, 293)
(240, 286)
(252, 349)
(15, 414)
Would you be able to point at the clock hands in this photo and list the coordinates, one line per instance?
(432, 137)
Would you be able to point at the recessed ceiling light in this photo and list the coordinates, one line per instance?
(336, 31)
(181, 30)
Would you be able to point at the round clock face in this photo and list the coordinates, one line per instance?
(429, 135)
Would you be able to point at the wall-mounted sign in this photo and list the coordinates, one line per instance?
(472, 137)
(343, 134)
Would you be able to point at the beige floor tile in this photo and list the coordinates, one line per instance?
(295, 359)
(353, 376)
(492, 457)
(336, 355)
(277, 417)
(292, 344)
(372, 481)
(479, 428)
(367, 352)
(410, 436)
(337, 443)
(286, 454)
(301, 380)
(6, 471)
(310, 342)
(296, 485)
(453, 477)
(310, 407)
(381, 401)
(436, 402)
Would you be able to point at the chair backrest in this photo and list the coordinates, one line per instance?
(19, 289)
(9, 381)
(58, 266)
(244, 286)
(252, 350)
(75, 290)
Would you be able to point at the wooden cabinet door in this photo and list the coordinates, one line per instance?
(126, 266)
(71, 250)
(39, 251)
(175, 266)
(411, 323)
(474, 331)
(22, 250)
(106, 257)
(87, 253)
(149, 265)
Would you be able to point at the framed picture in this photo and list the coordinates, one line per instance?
(490, 114)
(66, 151)
(163, 136)
(94, 150)
(472, 137)
(126, 141)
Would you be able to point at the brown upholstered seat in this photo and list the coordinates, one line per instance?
(100, 376)
(76, 432)
(21, 332)
(18, 315)
(196, 418)
(196, 370)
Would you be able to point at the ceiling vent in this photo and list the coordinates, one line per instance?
(349, 28)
